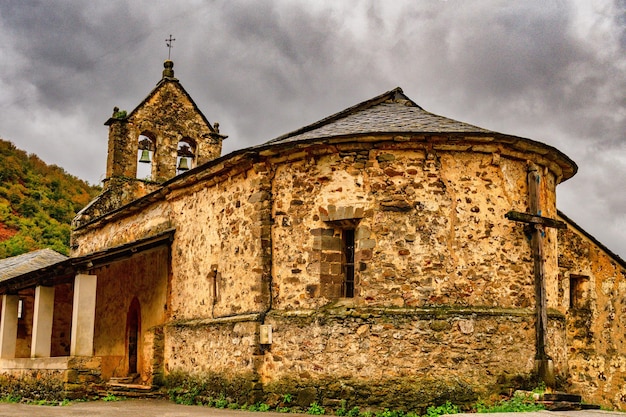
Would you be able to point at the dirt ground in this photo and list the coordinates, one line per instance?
(125, 408)
(163, 408)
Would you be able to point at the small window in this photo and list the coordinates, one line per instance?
(348, 263)
(337, 272)
(20, 308)
(578, 292)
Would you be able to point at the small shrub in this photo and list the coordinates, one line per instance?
(110, 397)
(121, 114)
(354, 412)
(540, 389)
(316, 409)
(447, 408)
(518, 403)
(389, 413)
(342, 411)
(184, 396)
(11, 399)
(221, 402)
(287, 398)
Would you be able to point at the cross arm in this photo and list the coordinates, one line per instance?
(535, 219)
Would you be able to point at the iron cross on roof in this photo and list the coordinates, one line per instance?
(169, 44)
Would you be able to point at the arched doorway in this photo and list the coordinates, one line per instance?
(133, 329)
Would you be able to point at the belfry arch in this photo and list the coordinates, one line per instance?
(185, 155)
(146, 148)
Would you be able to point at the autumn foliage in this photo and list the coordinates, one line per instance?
(37, 202)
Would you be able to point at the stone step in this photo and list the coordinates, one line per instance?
(560, 405)
(562, 396)
(562, 401)
(124, 387)
(123, 379)
(131, 394)
(129, 387)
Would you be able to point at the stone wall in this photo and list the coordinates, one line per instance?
(592, 286)
(430, 228)
(430, 233)
(376, 357)
(50, 379)
(219, 265)
(224, 346)
(151, 221)
(450, 276)
(478, 346)
(443, 282)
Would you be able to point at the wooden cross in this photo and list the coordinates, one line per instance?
(169, 44)
(538, 223)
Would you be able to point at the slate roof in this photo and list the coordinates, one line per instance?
(391, 112)
(29, 262)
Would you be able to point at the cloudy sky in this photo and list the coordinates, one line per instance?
(552, 71)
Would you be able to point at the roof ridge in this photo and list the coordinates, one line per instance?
(163, 81)
(396, 94)
(35, 253)
(175, 81)
(603, 247)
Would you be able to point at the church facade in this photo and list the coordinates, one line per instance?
(384, 255)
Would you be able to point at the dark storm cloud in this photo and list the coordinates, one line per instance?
(62, 45)
(551, 71)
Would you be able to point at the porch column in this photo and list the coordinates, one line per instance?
(8, 326)
(83, 315)
(42, 322)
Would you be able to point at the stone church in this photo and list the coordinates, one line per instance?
(383, 255)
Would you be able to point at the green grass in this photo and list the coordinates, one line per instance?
(111, 397)
(12, 399)
(316, 409)
(517, 403)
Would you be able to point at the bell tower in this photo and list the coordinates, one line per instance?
(164, 136)
(166, 130)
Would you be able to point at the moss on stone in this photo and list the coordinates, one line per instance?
(402, 393)
(32, 387)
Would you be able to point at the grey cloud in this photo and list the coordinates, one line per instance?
(262, 68)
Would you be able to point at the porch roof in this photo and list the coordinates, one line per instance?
(29, 262)
(44, 268)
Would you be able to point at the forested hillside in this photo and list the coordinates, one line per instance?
(37, 203)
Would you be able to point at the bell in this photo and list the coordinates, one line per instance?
(145, 156)
(183, 165)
